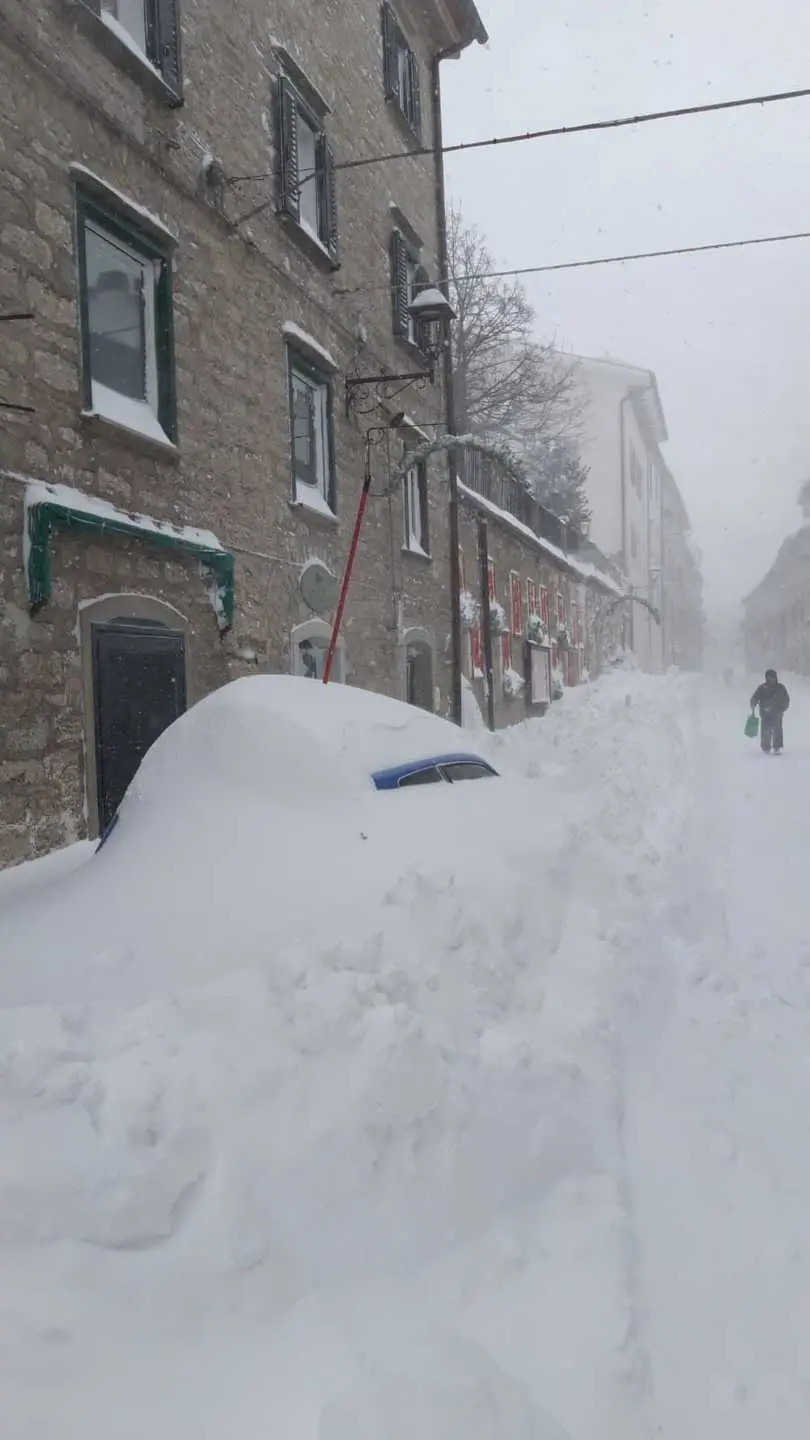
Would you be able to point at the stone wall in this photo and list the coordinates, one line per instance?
(65, 101)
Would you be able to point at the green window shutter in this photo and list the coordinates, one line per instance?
(287, 106)
(165, 22)
(164, 337)
(415, 95)
(327, 182)
(399, 284)
(390, 66)
(423, 506)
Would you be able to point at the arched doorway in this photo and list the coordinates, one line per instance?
(310, 643)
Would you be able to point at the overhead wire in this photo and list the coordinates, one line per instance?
(674, 250)
(584, 128)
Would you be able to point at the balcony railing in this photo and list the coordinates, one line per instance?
(483, 474)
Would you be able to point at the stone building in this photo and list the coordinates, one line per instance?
(557, 605)
(204, 275)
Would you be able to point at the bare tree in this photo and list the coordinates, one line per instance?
(508, 385)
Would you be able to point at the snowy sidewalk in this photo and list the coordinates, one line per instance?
(720, 1092)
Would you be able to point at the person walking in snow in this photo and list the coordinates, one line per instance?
(773, 700)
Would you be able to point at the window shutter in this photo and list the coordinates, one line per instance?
(288, 198)
(422, 482)
(399, 284)
(415, 95)
(390, 67)
(167, 44)
(327, 182)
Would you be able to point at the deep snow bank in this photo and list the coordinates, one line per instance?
(345, 1162)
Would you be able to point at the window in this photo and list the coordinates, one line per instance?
(306, 178)
(560, 601)
(401, 72)
(407, 279)
(311, 436)
(415, 505)
(544, 605)
(515, 604)
(430, 776)
(419, 674)
(146, 32)
(531, 597)
(126, 320)
(466, 770)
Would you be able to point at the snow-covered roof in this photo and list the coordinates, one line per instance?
(584, 569)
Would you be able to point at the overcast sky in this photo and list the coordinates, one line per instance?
(728, 335)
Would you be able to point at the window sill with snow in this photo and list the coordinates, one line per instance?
(128, 418)
(312, 503)
(416, 552)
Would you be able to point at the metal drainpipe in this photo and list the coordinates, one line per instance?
(449, 394)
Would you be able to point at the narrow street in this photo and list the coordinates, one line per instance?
(720, 1088)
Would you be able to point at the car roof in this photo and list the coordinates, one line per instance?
(393, 773)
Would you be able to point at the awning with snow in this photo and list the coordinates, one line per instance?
(51, 508)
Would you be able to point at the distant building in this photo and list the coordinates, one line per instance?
(623, 429)
(682, 618)
(777, 613)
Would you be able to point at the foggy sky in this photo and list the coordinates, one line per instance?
(728, 334)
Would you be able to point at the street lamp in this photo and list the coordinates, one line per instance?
(432, 315)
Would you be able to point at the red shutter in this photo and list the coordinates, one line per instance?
(531, 597)
(544, 605)
(515, 603)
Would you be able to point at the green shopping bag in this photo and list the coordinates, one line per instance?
(752, 726)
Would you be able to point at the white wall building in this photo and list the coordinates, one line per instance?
(623, 428)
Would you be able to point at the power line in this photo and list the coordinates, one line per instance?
(588, 127)
(605, 260)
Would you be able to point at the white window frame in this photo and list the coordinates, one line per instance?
(318, 632)
(112, 16)
(318, 495)
(414, 496)
(138, 416)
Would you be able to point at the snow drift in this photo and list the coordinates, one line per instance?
(310, 1114)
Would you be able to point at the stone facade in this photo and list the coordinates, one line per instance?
(73, 95)
(777, 612)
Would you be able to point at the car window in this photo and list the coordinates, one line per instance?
(465, 770)
(430, 776)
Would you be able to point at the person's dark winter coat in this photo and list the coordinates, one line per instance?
(772, 700)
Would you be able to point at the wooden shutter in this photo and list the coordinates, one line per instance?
(327, 186)
(167, 56)
(515, 604)
(287, 121)
(415, 95)
(399, 284)
(422, 484)
(390, 67)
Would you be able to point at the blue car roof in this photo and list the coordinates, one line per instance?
(389, 779)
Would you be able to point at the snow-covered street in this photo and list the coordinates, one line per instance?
(511, 1152)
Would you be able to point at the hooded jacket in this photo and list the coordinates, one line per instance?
(771, 699)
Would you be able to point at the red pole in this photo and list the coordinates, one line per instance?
(347, 576)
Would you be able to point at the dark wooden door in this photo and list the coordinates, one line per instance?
(139, 687)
